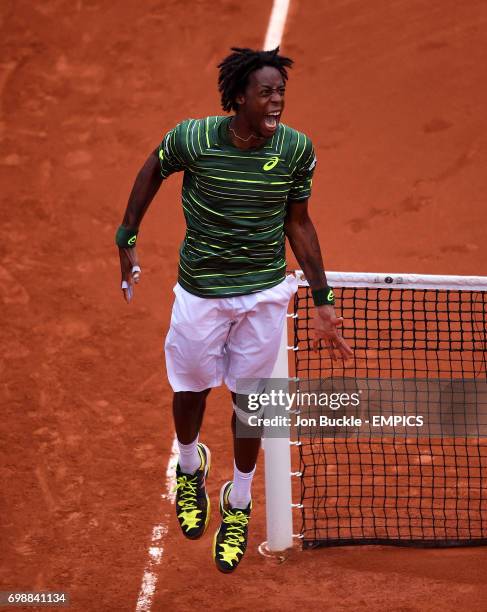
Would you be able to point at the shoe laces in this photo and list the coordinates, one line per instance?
(188, 486)
(237, 522)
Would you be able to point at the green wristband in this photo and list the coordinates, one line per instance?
(323, 297)
(126, 238)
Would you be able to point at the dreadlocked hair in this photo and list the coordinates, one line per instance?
(236, 68)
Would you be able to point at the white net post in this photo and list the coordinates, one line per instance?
(278, 495)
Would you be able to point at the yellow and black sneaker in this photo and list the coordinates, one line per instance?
(192, 501)
(230, 541)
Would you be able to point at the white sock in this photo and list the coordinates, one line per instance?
(189, 458)
(240, 492)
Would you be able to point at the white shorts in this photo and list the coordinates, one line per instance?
(216, 340)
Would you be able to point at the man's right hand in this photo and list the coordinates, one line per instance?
(130, 269)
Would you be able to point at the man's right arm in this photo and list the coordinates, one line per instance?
(169, 157)
(146, 186)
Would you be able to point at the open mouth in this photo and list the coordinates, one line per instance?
(272, 119)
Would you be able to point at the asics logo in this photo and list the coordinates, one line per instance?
(330, 297)
(132, 240)
(161, 154)
(272, 163)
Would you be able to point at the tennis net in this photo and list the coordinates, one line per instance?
(422, 335)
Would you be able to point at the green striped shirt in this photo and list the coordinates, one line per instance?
(234, 204)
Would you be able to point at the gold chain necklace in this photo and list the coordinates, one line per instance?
(243, 139)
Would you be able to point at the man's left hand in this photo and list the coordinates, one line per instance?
(326, 327)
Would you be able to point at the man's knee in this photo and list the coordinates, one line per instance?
(246, 412)
(190, 399)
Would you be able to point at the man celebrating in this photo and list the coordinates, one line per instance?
(247, 180)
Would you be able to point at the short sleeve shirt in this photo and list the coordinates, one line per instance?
(235, 203)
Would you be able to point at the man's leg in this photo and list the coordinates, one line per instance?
(246, 451)
(252, 347)
(188, 410)
(192, 502)
(230, 541)
(195, 356)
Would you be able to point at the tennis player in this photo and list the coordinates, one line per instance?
(247, 181)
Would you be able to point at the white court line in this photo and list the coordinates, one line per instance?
(276, 25)
(273, 38)
(159, 532)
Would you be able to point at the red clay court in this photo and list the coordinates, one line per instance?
(393, 96)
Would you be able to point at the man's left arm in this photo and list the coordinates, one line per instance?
(304, 242)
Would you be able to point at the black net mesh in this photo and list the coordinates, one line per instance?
(421, 490)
